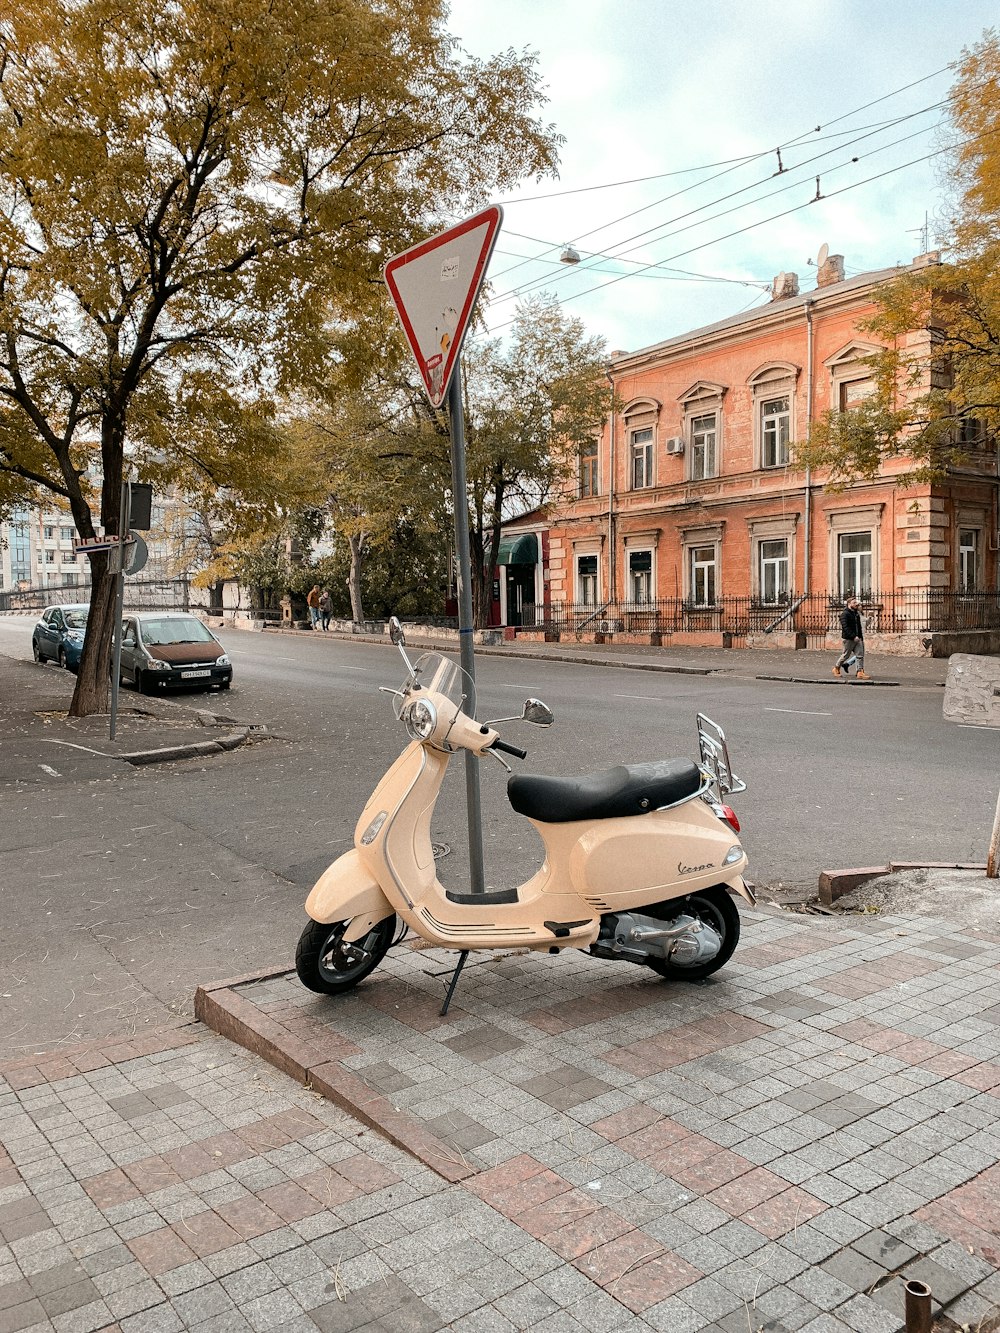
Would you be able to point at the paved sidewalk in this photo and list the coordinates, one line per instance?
(774, 1149)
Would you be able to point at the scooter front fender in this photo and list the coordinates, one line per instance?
(345, 890)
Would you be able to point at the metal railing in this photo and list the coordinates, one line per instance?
(817, 614)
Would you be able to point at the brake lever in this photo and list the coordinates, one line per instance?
(502, 762)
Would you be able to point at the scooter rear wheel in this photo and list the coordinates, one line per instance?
(717, 909)
(321, 969)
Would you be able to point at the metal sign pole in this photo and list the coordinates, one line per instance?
(456, 425)
(116, 655)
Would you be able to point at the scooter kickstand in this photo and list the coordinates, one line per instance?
(454, 981)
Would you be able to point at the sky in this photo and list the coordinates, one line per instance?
(646, 88)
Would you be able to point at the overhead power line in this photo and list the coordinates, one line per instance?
(761, 222)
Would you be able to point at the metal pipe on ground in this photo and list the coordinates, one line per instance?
(918, 1306)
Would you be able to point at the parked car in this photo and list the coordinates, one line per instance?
(59, 635)
(162, 649)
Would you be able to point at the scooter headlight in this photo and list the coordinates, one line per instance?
(420, 719)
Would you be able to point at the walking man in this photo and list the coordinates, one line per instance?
(312, 601)
(853, 634)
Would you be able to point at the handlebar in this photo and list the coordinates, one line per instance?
(509, 749)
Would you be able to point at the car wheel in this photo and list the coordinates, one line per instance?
(140, 682)
(36, 652)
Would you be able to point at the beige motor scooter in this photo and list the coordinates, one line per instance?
(639, 859)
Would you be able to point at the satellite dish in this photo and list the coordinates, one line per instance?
(824, 254)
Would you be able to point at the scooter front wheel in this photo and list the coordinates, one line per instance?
(321, 962)
(715, 908)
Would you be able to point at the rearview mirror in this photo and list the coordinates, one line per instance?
(537, 713)
(396, 634)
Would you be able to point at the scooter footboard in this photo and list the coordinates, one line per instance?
(346, 890)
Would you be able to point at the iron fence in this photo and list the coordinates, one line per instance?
(817, 614)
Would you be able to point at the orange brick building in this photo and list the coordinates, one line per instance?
(691, 497)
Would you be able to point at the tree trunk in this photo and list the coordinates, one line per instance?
(357, 545)
(93, 678)
(216, 604)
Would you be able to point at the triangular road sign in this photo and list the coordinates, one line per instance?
(434, 286)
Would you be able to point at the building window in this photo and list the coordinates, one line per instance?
(50, 532)
(704, 434)
(854, 551)
(66, 534)
(640, 576)
(586, 580)
(50, 557)
(773, 572)
(968, 559)
(588, 469)
(69, 557)
(704, 567)
(853, 392)
(642, 458)
(971, 432)
(775, 431)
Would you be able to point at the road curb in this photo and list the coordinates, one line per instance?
(834, 884)
(168, 753)
(221, 1007)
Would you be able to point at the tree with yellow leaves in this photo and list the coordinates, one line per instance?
(192, 197)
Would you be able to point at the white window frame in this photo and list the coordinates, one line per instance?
(778, 439)
(584, 582)
(855, 587)
(778, 527)
(769, 384)
(640, 593)
(781, 564)
(704, 399)
(698, 568)
(968, 559)
(843, 522)
(709, 452)
(641, 451)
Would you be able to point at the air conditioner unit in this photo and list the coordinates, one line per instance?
(675, 444)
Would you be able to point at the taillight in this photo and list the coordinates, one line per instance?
(729, 815)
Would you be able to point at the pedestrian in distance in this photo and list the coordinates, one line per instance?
(325, 607)
(852, 632)
(312, 601)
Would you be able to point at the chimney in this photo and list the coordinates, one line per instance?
(830, 271)
(784, 285)
(928, 260)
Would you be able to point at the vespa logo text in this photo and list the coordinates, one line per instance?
(693, 870)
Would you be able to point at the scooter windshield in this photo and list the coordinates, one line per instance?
(431, 671)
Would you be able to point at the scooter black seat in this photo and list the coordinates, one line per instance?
(626, 789)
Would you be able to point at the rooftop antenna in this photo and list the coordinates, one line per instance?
(923, 232)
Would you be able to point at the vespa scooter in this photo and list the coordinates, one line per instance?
(639, 859)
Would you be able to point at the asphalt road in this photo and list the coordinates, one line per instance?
(148, 884)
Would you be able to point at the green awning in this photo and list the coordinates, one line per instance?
(518, 549)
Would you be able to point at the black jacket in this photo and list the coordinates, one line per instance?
(850, 624)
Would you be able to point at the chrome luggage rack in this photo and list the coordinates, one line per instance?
(715, 756)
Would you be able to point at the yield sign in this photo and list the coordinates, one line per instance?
(434, 286)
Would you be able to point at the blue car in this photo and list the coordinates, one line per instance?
(59, 635)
